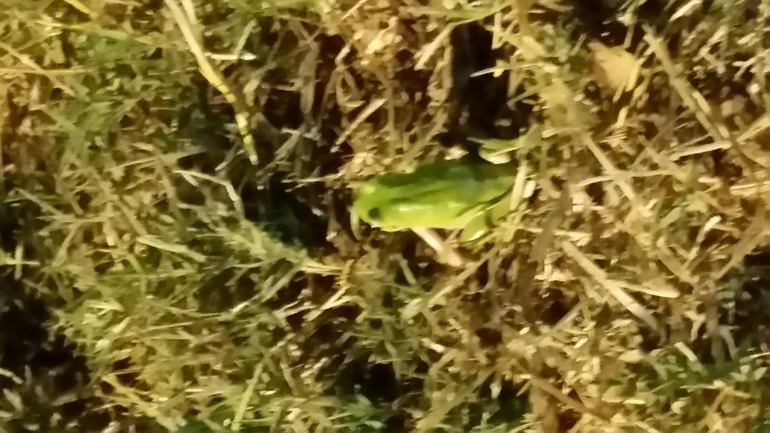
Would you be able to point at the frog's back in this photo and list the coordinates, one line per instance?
(475, 182)
(444, 194)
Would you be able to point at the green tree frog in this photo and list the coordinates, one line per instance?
(454, 194)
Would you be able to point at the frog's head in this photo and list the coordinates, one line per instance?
(373, 198)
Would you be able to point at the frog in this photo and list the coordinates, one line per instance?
(466, 193)
(449, 194)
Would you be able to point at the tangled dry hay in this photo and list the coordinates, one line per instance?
(206, 281)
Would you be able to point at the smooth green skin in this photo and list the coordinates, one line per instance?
(445, 195)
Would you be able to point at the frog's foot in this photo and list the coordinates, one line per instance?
(446, 253)
(503, 151)
(476, 228)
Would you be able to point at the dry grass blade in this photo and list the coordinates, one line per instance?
(617, 177)
(756, 127)
(657, 288)
(159, 244)
(564, 399)
(695, 101)
(692, 98)
(543, 242)
(446, 253)
(749, 239)
(246, 399)
(149, 409)
(615, 289)
(38, 69)
(213, 76)
(77, 4)
(365, 113)
(659, 249)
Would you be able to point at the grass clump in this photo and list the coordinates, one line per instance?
(176, 181)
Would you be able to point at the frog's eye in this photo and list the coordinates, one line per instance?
(374, 214)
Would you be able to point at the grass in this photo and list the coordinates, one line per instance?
(178, 253)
